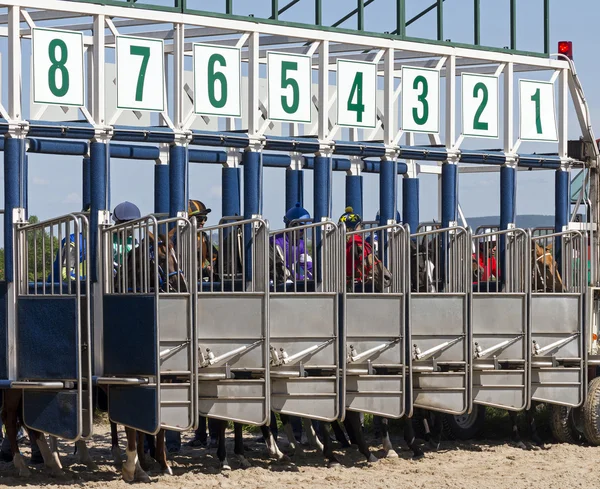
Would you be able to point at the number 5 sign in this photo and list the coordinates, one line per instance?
(140, 74)
(289, 85)
(537, 119)
(57, 67)
(420, 100)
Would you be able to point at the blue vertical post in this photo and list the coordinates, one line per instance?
(86, 197)
(99, 162)
(562, 207)
(231, 195)
(13, 159)
(161, 189)
(449, 195)
(25, 185)
(252, 199)
(178, 179)
(387, 200)
(294, 188)
(508, 177)
(354, 193)
(322, 202)
(410, 202)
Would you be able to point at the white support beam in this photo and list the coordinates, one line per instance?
(509, 103)
(389, 126)
(450, 131)
(323, 112)
(178, 76)
(563, 113)
(254, 114)
(14, 63)
(96, 77)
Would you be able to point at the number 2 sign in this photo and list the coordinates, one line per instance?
(140, 73)
(480, 112)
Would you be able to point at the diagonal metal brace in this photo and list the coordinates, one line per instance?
(169, 352)
(285, 359)
(354, 357)
(479, 353)
(538, 351)
(209, 360)
(417, 355)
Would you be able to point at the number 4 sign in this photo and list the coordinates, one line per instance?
(140, 73)
(537, 115)
(356, 93)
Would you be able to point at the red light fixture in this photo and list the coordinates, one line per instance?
(565, 48)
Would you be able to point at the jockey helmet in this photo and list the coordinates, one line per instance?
(126, 211)
(296, 213)
(197, 208)
(350, 219)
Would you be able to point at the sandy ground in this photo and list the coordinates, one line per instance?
(482, 465)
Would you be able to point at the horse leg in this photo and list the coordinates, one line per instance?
(10, 409)
(410, 439)
(516, 436)
(161, 453)
(535, 437)
(273, 449)
(313, 439)
(83, 455)
(332, 461)
(238, 448)
(132, 470)
(289, 432)
(352, 423)
(340, 436)
(145, 460)
(388, 448)
(115, 450)
(51, 458)
(221, 449)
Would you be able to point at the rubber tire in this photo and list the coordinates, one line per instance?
(455, 430)
(562, 425)
(591, 413)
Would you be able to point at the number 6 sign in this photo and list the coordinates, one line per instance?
(140, 74)
(57, 67)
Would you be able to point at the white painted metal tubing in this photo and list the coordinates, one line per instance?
(171, 351)
(432, 351)
(303, 353)
(121, 381)
(499, 346)
(541, 351)
(370, 352)
(38, 385)
(226, 356)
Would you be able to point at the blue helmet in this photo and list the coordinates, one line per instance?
(126, 211)
(398, 219)
(350, 219)
(296, 213)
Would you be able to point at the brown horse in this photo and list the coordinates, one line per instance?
(545, 273)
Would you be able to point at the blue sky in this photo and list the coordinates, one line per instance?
(55, 182)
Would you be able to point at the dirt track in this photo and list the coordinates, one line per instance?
(482, 465)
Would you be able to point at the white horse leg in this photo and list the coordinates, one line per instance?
(83, 455)
(388, 448)
(313, 440)
(132, 470)
(273, 449)
(51, 458)
(20, 465)
(289, 433)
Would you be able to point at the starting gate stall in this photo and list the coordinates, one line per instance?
(51, 358)
(500, 319)
(558, 294)
(148, 324)
(375, 320)
(306, 324)
(232, 321)
(440, 329)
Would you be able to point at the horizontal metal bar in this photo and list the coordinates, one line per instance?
(37, 385)
(121, 381)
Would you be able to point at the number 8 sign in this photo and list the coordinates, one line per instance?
(57, 67)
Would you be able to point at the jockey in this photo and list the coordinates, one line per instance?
(487, 261)
(356, 266)
(297, 260)
(198, 210)
(124, 212)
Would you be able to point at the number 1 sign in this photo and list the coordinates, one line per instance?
(537, 116)
(140, 73)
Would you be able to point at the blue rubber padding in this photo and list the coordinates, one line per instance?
(52, 412)
(134, 406)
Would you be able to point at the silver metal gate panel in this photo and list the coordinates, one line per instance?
(306, 330)
(232, 321)
(439, 322)
(375, 320)
(558, 288)
(51, 356)
(500, 319)
(149, 322)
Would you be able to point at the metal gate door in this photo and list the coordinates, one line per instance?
(558, 287)
(52, 354)
(148, 324)
(500, 319)
(375, 320)
(307, 377)
(439, 320)
(232, 321)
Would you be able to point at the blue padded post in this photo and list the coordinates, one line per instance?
(562, 208)
(231, 196)
(508, 181)
(252, 162)
(25, 185)
(322, 188)
(99, 163)
(178, 179)
(13, 159)
(354, 193)
(410, 203)
(294, 188)
(161, 189)
(387, 190)
(449, 195)
(86, 184)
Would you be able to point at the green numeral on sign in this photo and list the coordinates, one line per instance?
(421, 120)
(143, 51)
(58, 65)
(213, 77)
(538, 120)
(289, 82)
(477, 124)
(357, 90)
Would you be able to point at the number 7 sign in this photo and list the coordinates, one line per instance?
(140, 73)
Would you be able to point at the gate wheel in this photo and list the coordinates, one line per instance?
(591, 413)
(565, 423)
(465, 426)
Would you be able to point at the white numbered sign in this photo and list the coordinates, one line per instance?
(57, 67)
(356, 94)
(537, 116)
(480, 109)
(140, 73)
(289, 84)
(217, 80)
(420, 100)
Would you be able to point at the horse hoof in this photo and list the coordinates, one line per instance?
(225, 466)
(21, 466)
(244, 463)
(56, 472)
(167, 470)
(391, 453)
(91, 465)
(128, 475)
(521, 445)
(418, 454)
(372, 459)
(117, 456)
(140, 475)
(333, 463)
